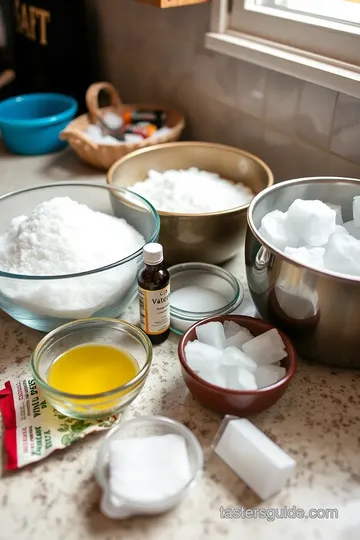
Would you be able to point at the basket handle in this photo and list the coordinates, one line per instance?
(92, 99)
(69, 134)
(6, 77)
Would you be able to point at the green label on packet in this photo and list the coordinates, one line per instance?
(34, 429)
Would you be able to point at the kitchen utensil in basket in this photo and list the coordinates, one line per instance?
(102, 156)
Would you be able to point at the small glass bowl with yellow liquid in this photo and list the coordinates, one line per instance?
(92, 368)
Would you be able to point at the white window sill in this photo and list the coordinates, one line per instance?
(304, 65)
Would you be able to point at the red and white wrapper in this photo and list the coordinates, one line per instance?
(33, 429)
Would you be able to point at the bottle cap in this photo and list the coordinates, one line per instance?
(153, 253)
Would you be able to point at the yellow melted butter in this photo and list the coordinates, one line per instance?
(92, 369)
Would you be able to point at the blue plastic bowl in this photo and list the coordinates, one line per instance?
(30, 124)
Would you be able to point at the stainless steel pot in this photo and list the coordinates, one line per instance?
(319, 311)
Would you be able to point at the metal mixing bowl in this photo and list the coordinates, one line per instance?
(319, 310)
(213, 237)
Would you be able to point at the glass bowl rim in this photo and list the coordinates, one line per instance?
(207, 268)
(142, 337)
(115, 264)
(152, 420)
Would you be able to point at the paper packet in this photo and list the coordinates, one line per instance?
(33, 429)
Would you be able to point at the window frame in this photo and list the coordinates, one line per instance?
(332, 67)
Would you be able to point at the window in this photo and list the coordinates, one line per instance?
(346, 12)
(316, 40)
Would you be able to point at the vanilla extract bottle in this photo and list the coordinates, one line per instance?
(154, 292)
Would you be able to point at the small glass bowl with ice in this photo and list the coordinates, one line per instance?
(235, 364)
(147, 466)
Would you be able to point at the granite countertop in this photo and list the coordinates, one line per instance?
(317, 422)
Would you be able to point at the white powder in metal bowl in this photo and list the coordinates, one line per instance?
(191, 191)
(63, 237)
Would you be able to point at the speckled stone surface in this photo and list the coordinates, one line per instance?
(317, 422)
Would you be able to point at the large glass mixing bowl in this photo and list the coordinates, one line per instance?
(45, 302)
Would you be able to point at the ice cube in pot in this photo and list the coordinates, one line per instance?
(352, 229)
(275, 230)
(356, 210)
(313, 221)
(306, 255)
(342, 254)
(337, 208)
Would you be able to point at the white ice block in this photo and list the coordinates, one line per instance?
(310, 256)
(275, 230)
(351, 228)
(337, 208)
(238, 338)
(234, 357)
(313, 221)
(259, 462)
(212, 333)
(356, 211)
(201, 356)
(266, 348)
(148, 470)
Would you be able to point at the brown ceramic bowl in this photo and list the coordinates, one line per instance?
(210, 238)
(237, 402)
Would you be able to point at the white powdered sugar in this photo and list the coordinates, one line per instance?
(63, 237)
(192, 191)
(163, 474)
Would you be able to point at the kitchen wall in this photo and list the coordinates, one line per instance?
(298, 128)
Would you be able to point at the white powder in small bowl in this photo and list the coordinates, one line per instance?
(63, 237)
(191, 191)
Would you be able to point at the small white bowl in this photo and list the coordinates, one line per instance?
(141, 427)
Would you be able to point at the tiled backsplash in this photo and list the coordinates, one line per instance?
(298, 128)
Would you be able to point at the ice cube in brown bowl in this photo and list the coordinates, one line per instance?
(237, 402)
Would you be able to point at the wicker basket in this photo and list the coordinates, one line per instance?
(102, 156)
